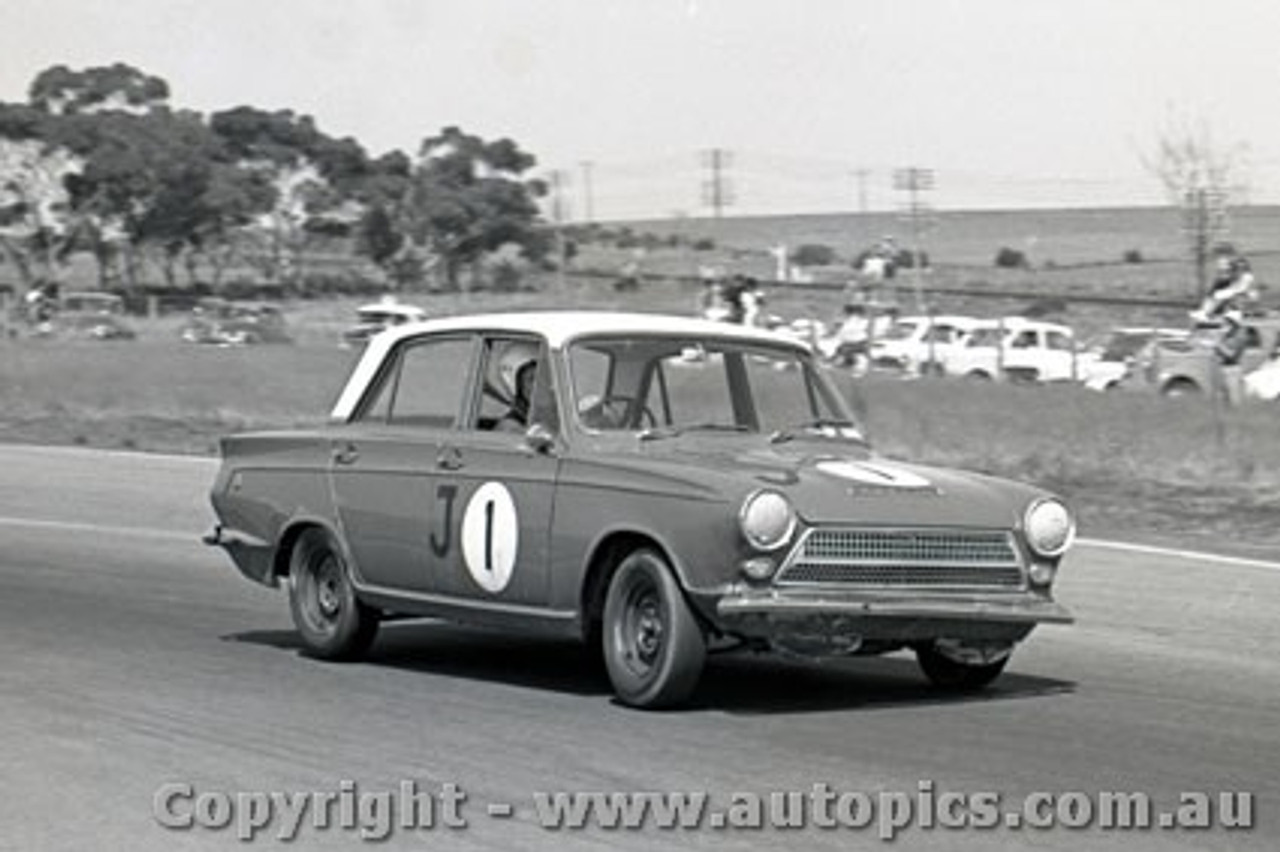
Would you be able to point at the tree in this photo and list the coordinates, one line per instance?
(468, 197)
(163, 183)
(1197, 177)
(61, 91)
(813, 254)
(316, 179)
(36, 226)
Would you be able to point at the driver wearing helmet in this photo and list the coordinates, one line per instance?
(517, 369)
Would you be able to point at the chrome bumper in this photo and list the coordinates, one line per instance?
(1015, 609)
(252, 556)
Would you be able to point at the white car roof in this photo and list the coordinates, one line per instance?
(938, 319)
(383, 308)
(557, 327)
(1021, 323)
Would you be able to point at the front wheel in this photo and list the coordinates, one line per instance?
(654, 648)
(333, 623)
(946, 672)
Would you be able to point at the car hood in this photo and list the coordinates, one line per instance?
(841, 482)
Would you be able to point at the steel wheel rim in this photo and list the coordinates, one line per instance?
(642, 631)
(322, 593)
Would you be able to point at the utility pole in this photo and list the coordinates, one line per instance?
(588, 200)
(717, 190)
(559, 178)
(913, 181)
(861, 176)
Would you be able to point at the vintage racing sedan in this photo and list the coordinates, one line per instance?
(656, 485)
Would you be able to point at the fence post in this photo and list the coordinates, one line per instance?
(1000, 332)
(932, 367)
(1217, 387)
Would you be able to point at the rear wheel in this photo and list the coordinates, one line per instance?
(654, 648)
(333, 623)
(946, 672)
(1181, 387)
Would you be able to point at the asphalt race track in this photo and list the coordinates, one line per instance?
(135, 657)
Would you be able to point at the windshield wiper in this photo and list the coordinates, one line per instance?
(818, 424)
(654, 433)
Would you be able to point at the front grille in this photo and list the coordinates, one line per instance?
(897, 558)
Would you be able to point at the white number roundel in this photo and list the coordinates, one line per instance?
(490, 536)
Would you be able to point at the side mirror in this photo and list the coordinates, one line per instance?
(540, 439)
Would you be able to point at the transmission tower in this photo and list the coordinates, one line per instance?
(914, 181)
(717, 189)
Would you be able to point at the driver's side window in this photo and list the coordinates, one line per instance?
(515, 386)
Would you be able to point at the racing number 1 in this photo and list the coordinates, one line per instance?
(488, 536)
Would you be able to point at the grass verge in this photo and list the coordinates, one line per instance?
(1135, 467)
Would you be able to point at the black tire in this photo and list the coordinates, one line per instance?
(1181, 387)
(952, 676)
(978, 375)
(654, 648)
(333, 623)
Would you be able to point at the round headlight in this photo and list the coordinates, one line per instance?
(1049, 527)
(767, 520)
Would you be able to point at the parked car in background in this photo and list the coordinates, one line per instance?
(1017, 349)
(1102, 365)
(222, 322)
(806, 330)
(1263, 383)
(579, 474)
(90, 315)
(378, 317)
(848, 341)
(1190, 365)
(920, 345)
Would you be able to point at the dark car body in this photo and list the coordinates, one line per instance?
(91, 315)
(1190, 365)
(673, 482)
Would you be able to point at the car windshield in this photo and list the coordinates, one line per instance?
(986, 336)
(1124, 344)
(901, 330)
(661, 386)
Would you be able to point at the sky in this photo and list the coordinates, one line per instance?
(1011, 103)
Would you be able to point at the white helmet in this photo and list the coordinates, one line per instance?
(515, 357)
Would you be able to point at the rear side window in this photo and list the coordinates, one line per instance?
(1059, 341)
(1026, 340)
(424, 386)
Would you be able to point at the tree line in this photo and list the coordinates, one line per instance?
(98, 160)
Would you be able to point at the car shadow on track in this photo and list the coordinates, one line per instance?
(447, 650)
(765, 684)
(738, 682)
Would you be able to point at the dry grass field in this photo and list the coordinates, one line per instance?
(1134, 466)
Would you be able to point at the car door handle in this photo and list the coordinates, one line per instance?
(346, 454)
(450, 458)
